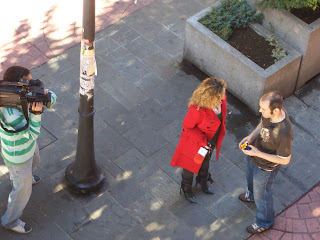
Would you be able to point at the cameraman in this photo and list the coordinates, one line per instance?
(20, 152)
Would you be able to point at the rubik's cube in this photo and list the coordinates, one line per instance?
(245, 146)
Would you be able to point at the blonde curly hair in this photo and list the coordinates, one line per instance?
(209, 93)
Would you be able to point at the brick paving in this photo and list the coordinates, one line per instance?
(140, 97)
(42, 30)
(301, 221)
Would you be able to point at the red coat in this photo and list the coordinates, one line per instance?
(199, 127)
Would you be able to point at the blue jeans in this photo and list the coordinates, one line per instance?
(21, 181)
(260, 184)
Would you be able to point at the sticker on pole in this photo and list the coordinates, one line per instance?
(88, 66)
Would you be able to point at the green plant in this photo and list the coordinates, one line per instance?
(278, 53)
(290, 4)
(230, 14)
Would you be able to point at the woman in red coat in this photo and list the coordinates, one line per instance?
(203, 126)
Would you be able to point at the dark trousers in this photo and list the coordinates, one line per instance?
(204, 169)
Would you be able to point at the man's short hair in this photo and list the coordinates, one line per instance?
(275, 100)
(15, 73)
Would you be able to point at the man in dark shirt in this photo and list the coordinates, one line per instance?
(271, 147)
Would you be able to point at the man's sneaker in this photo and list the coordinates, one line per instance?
(254, 229)
(244, 197)
(21, 228)
(35, 179)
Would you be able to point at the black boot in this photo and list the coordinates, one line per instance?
(203, 181)
(186, 186)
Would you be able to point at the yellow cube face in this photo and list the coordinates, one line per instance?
(244, 145)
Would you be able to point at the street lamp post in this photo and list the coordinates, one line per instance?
(83, 175)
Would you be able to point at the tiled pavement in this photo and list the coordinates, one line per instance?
(141, 95)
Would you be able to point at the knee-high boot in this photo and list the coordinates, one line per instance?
(204, 176)
(186, 186)
(203, 181)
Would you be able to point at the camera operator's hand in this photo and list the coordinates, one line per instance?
(36, 108)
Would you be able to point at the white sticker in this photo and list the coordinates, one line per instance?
(88, 66)
(202, 151)
(82, 91)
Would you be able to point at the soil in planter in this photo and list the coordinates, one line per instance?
(308, 15)
(253, 46)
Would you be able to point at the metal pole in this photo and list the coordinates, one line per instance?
(83, 175)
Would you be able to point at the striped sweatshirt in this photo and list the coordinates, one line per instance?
(18, 148)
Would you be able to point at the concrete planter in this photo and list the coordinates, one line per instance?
(246, 80)
(302, 36)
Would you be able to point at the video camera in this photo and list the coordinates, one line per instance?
(20, 94)
(13, 94)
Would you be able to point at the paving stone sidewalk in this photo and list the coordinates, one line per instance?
(141, 96)
(33, 33)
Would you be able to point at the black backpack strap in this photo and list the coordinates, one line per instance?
(24, 104)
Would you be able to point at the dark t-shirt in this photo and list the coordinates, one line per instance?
(274, 138)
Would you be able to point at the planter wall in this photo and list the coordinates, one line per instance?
(302, 36)
(246, 80)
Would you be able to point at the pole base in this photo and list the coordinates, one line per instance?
(84, 185)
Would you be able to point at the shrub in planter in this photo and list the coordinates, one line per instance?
(234, 14)
(288, 5)
(303, 35)
(246, 80)
(229, 15)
